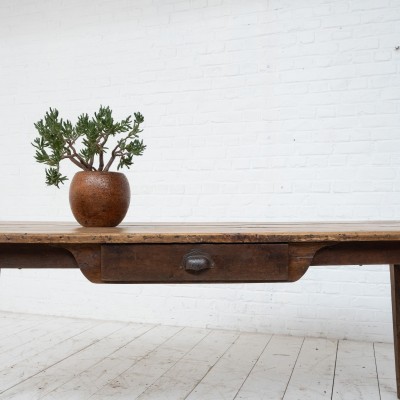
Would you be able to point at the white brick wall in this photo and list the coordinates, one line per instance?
(254, 111)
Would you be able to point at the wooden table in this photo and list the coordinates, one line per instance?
(211, 253)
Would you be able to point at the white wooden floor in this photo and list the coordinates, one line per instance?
(56, 358)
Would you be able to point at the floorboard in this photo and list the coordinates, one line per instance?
(355, 375)
(134, 381)
(226, 377)
(46, 383)
(52, 358)
(181, 379)
(270, 376)
(29, 367)
(313, 373)
(384, 359)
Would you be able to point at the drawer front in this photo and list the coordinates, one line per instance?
(194, 262)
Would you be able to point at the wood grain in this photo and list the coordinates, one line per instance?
(395, 284)
(355, 376)
(14, 255)
(129, 359)
(241, 252)
(40, 232)
(312, 377)
(164, 263)
(358, 253)
(385, 370)
(227, 376)
(271, 374)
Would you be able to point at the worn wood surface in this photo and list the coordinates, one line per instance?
(229, 373)
(315, 366)
(395, 282)
(14, 255)
(235, 252)
(357, 253)
(270, 376)
(166, 263)
(385, 370)
(154, 256)
(76, 359)
(56, 232)
(356, 372)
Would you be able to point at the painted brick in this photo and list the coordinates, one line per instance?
(254, 111)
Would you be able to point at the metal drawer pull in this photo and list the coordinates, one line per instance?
(197, 261)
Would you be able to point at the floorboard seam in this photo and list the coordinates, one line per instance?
(251, 369)
(86, 370)
(294, 366)
(334, 369)
(58, 361)
(377, 374)
(140, 359)
(209, 369)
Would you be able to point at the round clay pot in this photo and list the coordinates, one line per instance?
(99, 198)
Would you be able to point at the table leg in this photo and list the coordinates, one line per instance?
(395, 281)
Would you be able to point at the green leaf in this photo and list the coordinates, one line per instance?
(85, 141)
(54, 177)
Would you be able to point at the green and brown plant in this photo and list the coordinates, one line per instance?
(85, 143)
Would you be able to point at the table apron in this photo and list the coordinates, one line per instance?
(194, 262)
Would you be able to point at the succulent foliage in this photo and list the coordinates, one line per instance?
(85, 143)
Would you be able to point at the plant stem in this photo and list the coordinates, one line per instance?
(114, 153)
(77, 163)
(108, 165)
(100, 147)
(81, 160)
(101, 162)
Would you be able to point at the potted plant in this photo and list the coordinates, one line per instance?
(97, 196)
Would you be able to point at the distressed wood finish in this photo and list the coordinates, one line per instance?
(395, 281)
(75, 359)
(165, 263)
(23, 232)
(35, 256)
(223, 253)
(356, 253)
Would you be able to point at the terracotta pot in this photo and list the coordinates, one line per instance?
(99, 198)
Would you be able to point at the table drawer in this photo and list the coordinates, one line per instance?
(194, 262)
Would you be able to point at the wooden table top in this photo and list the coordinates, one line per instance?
(239, 232)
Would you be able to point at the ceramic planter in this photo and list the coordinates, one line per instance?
(99, 199)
